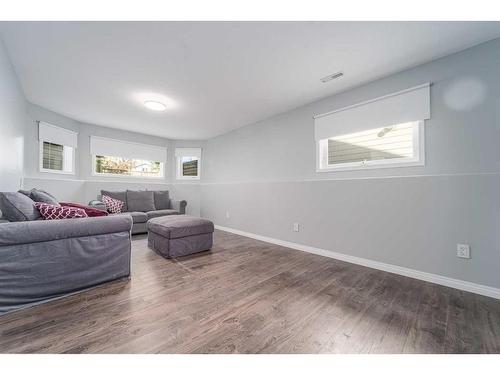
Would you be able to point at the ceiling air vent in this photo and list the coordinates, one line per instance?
(331, 77)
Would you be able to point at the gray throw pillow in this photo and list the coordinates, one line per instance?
(44, 197)
(18, 207)
(161, 199)
(25, 192)
(120, 195)
(142, 201)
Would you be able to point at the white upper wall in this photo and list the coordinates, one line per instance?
(12, 125)
(462, 136)
(214, 76)
(83, 186)
(83, 156)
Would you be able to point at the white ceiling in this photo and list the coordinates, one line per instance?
(214, 76)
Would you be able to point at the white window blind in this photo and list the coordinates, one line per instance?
(131, 150)
(401, 107)
(53, 156)
(194, 152)
(393, 142)
(57, 135)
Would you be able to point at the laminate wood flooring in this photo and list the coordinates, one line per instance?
(248, 296)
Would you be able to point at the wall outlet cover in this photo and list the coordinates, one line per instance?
(463, 251)
(295, 227)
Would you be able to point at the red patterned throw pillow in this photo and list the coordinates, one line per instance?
(114, 206)
(90, 211)
(51, 212)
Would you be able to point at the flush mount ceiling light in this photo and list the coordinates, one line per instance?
(154, 105)
(331, 77)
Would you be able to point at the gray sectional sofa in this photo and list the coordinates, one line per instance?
(143, 205)
(45, 259)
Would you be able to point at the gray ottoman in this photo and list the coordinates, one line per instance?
(178, 235)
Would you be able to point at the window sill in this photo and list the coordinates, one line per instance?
(188, 178)
(122, 177)
(53, 171)
(346, 168)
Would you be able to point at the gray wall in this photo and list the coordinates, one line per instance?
(264, 175)
(83, 186)
(12, 125)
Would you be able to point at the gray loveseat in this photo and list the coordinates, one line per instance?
(143, 205)
(45, 259)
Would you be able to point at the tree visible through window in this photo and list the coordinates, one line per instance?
(114, 165)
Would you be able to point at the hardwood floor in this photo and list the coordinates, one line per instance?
(247, 296)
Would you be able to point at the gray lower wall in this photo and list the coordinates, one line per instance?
(413, 222)
(264, 175)
(13, 120)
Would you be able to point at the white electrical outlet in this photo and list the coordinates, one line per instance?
(463, 251)
(227, 215)
(295, 227)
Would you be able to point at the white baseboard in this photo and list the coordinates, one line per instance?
(408, 272)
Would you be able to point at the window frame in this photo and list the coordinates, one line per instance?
(121, 176)
(46, 170)
(178, 163)
(417, 160)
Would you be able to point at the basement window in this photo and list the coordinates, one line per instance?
(383, 147)
(56, 158)
(188, 163)
(119, 158)
(126, 167)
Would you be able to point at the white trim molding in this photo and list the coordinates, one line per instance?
(403, 271)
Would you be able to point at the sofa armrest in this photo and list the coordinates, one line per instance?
(24, 232)
(98, 205)
(179, 206)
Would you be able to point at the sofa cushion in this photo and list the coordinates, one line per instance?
(25, 192)
(113, 205)
(90, 211)
(137, 217)
(158, 213)
(161, 199)
(53, 212)
(142, 200)
(18, 207)
(120, 195)
(43, 197)
(177, 226)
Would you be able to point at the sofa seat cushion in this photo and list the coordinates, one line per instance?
(137, 217)
(158, 213)
(178, 226)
